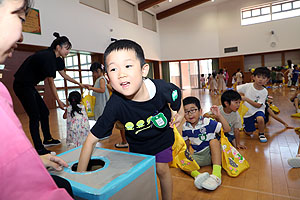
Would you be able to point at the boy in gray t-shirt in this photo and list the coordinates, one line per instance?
(230, 104)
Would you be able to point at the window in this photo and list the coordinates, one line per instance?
(127, 11)
(78, 68)
(270, 11)
(175, 73)
(149, 21)
(101, 5)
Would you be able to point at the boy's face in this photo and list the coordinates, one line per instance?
(125, 74)
(234, 105)
(260, 80)
(192, 113)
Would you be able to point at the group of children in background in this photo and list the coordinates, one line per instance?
(136, 99)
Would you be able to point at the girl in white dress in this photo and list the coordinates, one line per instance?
(77, 121)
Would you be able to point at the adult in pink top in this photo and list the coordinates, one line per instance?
(22, 172)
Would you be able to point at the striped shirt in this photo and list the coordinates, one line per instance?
(203, 132)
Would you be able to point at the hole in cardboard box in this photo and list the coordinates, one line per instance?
(93, 165)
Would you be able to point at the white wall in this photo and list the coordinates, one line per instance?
(204, 31)
(254, 38)
(190, 34)
(89, 29)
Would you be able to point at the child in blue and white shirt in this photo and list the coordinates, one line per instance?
(201, 133)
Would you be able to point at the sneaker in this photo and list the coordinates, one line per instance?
(200, 179)
(45, 151)
(51, 142)
(121, 145)
(294, 162)
(212, 182)
(262, 138)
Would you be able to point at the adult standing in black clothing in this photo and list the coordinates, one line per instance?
(36, 68)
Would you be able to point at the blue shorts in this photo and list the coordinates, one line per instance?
(229, 137)
(249, 122)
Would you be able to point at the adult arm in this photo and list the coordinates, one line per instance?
(67, 77)
(53, 161)
(54, 92)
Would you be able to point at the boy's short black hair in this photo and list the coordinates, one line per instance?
(125, 45)
(230, 95)
(191, 100)
(262, 71)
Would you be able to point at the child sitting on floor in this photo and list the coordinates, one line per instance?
(230, 104)
(200, 132)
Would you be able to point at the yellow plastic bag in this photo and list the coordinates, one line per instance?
(181, 156)
(89, 103)
(275, 109)
(242, 111)
(232, 161)
(295, 115)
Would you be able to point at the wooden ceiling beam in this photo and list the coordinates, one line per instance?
(179, 8)
(148, 4)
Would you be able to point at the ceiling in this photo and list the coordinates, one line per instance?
(164, 8)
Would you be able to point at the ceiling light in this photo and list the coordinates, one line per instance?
(212, 0)
(170, 0)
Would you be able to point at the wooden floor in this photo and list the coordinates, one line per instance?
(269, 176)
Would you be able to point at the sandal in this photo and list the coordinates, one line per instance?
(121, 145)
(262, 138)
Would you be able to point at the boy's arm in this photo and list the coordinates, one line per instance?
(253, 103)
(219, 117)
(86, 152)
(272, 114)
(237, 139)
(178, 117)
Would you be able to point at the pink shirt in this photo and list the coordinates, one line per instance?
(22, 173)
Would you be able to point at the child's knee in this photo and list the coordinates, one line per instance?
(260, 120)
(162, 169)
(214, 143)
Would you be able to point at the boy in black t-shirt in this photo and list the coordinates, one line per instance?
(142, 105)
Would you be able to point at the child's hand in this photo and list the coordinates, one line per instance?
(176, 120)
(65, 114)
(240, 146)
(86, 86)
(215, 110)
